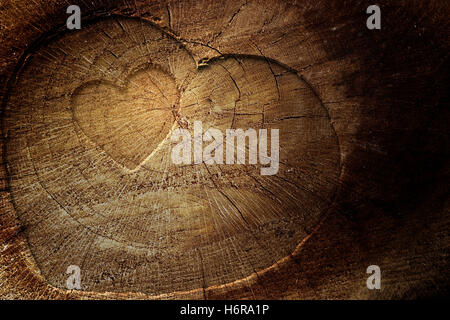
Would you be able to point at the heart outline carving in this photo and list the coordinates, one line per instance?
(125, 104)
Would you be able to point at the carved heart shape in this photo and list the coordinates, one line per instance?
(128, 122)
(158, 227)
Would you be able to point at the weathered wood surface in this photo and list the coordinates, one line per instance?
(87, 179)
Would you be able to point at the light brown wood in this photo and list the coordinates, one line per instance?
(88, 179)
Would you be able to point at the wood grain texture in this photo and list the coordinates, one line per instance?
(88, 181)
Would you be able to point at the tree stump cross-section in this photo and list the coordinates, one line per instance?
(92, 181)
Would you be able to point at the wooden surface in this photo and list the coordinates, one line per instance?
(87, 177)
